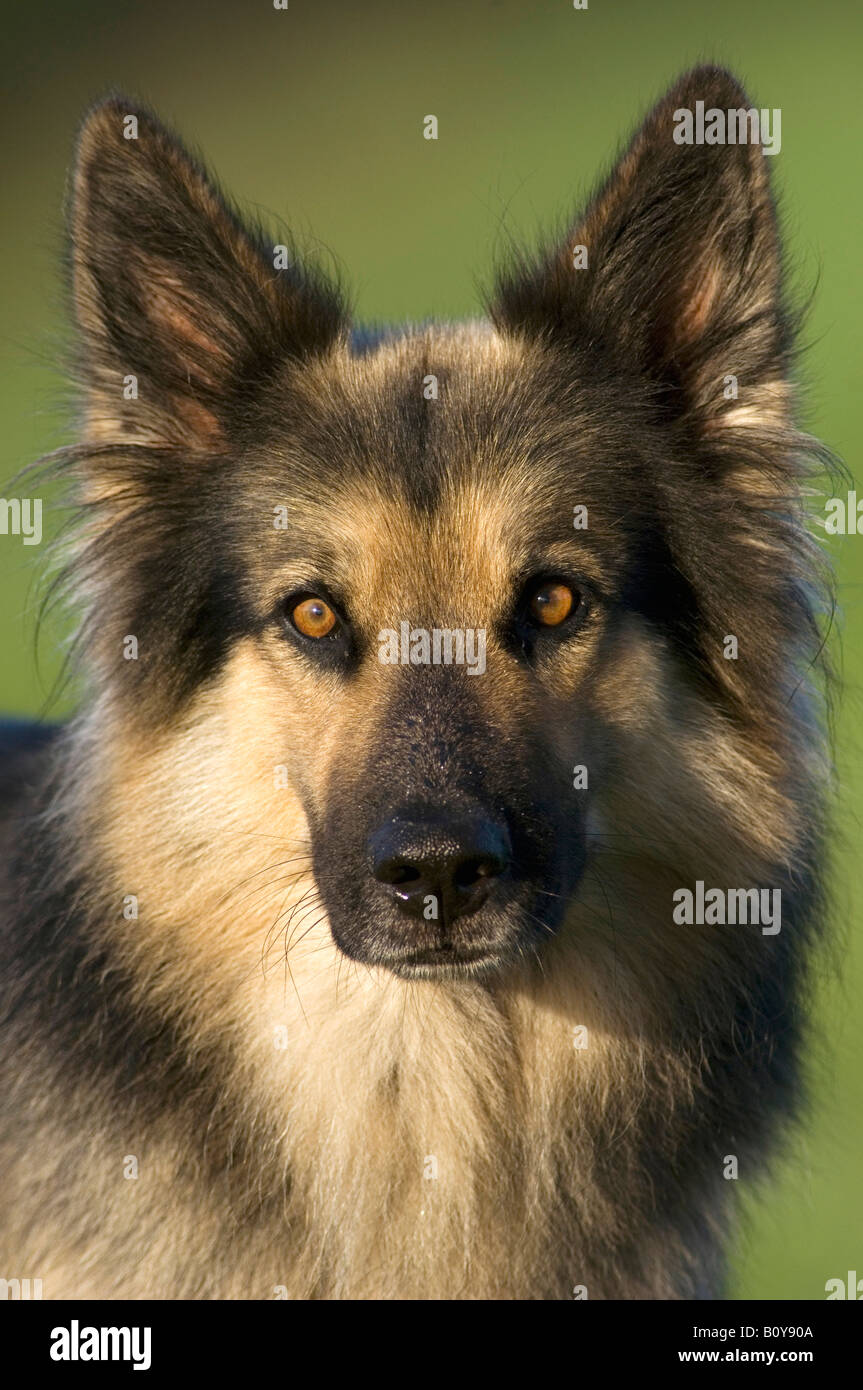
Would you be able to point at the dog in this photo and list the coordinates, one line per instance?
(426, 672)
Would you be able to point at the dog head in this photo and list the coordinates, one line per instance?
(447, 611)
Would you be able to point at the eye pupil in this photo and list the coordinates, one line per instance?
(313, 617)
(552, 604)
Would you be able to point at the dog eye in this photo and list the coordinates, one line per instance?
(313, 617)
(552, 604)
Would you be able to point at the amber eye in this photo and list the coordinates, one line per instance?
(313, 618)
(552, 604)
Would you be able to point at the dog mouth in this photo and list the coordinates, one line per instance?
(424, 908)
(484, 945)
(447, 961)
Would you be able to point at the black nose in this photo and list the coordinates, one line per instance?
(440, 866)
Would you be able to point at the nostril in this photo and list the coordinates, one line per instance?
(397, 874)
(472, 871)
(455, 858)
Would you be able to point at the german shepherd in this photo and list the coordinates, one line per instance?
(428, 672)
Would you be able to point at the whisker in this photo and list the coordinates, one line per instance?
(243, 881)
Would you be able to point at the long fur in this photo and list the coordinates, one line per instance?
(311, 1125)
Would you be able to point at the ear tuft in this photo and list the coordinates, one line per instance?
(172, 290)
(683, 274)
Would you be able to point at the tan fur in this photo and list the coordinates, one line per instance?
(230, 924)
(308, 1126)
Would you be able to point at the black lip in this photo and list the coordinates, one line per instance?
(447, 961)
(455, 955)
(445, 955)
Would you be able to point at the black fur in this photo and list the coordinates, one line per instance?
(248, 396)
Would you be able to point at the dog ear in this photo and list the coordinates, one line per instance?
(674, 267)
(180, 306)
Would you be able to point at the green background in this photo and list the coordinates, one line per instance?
(314, 115)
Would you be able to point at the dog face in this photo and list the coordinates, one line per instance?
(439, 793)
(454, 604)
(446, 799)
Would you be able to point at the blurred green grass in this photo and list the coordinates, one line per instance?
(314, 115)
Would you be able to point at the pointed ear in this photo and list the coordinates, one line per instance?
(175, 298)
(682, 281)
